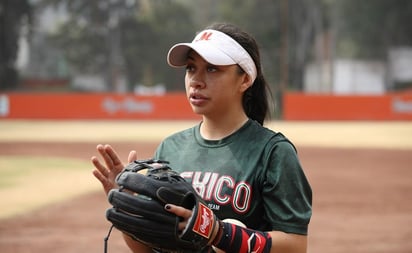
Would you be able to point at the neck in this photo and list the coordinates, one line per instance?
(212, 129)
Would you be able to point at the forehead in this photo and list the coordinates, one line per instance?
(194, 56)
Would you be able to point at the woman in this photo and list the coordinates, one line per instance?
(243, 170)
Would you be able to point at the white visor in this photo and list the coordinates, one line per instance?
(215, 47)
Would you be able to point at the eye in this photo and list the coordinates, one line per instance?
(189, 68)
(211, 68)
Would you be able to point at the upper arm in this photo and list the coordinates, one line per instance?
(287, 195)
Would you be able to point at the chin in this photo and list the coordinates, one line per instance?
(198, 110)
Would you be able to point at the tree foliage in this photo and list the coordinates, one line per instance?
(131, 37)
(121, 37)
(367, 29)
(13, 14)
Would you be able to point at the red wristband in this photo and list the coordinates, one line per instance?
(233, 238)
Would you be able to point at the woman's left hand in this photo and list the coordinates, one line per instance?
(107, 173)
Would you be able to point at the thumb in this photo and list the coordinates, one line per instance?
(132, 156)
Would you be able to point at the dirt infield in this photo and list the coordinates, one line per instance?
(361, 202)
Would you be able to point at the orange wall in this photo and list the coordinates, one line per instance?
(392, 106)
(296, 106)
(94, 106)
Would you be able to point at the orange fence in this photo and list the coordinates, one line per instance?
(94, 106)
(392, 106)
(296, 106)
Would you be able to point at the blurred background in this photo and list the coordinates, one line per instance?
(327, 61)
(336, 47)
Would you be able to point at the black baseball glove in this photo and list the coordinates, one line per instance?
(138, 208)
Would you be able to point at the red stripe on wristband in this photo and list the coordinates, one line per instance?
(243, 240)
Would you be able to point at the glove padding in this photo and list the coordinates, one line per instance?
(138, 208)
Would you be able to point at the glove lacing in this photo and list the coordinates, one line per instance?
(106, 239)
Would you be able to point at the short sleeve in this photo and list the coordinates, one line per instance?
(287, 195)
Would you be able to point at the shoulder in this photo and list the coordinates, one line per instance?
(176, 141)
(271, 137)
(178, 136)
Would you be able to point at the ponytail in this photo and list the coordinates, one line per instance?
(255, 98)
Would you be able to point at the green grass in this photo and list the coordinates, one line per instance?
(30, 182)
(14, 168)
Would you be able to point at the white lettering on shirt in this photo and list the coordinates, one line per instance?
(220, 189)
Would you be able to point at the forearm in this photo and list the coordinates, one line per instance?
(288, 243)
(136, 246)
(232, 238)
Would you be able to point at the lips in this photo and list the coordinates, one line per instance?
(197, 98)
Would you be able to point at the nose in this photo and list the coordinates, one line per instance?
(197, 84)
(196, 81)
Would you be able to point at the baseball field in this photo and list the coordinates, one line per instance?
(360, 172)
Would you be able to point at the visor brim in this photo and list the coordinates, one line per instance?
(177, 55)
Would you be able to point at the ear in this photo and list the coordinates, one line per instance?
(246, 82)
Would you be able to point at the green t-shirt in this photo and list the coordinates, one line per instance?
(252, 175)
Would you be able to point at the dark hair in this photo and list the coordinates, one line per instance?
(255, 99)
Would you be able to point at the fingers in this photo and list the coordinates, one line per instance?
(106, 172)
(109, 155)
(113, 165)
(102, 174)
(112, 155)
(132, 156)
(99, 167)
(181, 212)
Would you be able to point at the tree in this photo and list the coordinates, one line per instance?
(13, 13)
(147, 39)
(90, 38)
(121, 37)
(367, 29)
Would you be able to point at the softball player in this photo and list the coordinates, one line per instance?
(243, 170)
